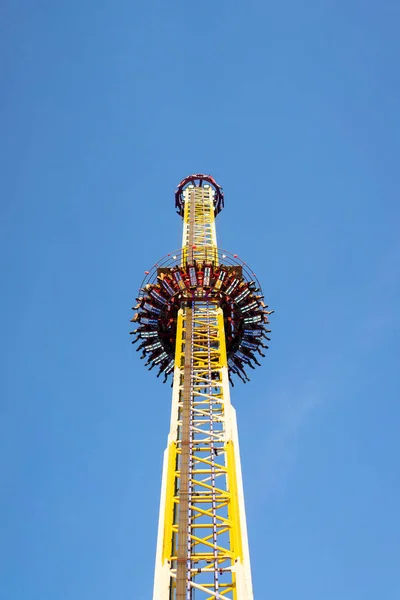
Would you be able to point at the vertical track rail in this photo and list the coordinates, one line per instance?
(183, 556)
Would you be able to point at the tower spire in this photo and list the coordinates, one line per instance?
(201, 320)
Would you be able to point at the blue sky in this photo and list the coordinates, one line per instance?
(293, 108)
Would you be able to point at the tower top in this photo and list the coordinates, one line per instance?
(201, 274)
(199, 180)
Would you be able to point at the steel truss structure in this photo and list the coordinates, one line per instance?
(201, 319)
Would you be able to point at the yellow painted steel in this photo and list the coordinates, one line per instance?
(209, 354)
(222, 356)
(185, 241)
(199, 237)
(234, 504)
(178, 343)
(214, 527)
(169, 501)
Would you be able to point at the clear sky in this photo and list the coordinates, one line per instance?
(294, 108)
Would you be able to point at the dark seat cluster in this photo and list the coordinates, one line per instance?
(246, 316)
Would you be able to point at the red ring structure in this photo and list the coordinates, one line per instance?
(228, 280)
(198, 180)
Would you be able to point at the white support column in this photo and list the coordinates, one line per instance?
(162, 576)
(243, 569)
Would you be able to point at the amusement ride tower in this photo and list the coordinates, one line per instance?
(201, 319)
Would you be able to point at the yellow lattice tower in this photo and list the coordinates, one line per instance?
(201, 320)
